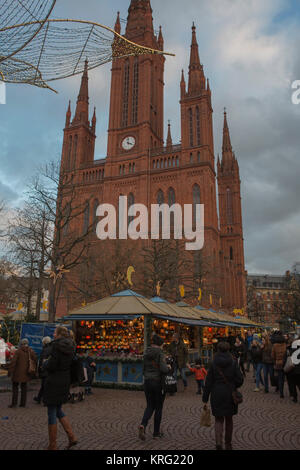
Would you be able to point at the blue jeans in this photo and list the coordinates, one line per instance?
(258, 376)
(182, 373)
(268, 372)
(54, 411)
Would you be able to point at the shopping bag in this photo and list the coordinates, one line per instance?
(205, 419)
(289, 366)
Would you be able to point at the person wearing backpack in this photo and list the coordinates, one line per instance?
(155, 369)
(223, 379)
(279, 355)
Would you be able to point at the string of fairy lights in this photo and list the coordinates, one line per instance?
(42, 50)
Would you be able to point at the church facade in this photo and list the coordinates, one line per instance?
(149, 169)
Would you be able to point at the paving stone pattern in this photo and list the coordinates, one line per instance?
(109, 420)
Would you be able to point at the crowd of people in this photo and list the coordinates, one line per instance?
(233, 357)
(61, 372)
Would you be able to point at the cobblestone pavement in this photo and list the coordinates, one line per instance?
(108, 420)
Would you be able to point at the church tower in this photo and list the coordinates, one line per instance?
(136, 104)
(231, 226)
(197, 146)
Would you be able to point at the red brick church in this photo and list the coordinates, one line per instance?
(148, 169)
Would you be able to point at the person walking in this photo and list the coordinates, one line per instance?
(179, 352)
(57, 385)
(279, 355)
(90, 366)
(239, 353)
(249, 340)
(155, 368)
(224, 377)
(46, 342)
(256, 356)
(200, 374)
(267, 362)
(19, 371)
(293, 377)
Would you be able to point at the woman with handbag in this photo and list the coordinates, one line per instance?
(222, 381)
(57, 385)
(22, 369)
(155, 369)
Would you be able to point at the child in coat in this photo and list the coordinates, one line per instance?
(200, 375)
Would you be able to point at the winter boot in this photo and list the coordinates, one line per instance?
(68, 430)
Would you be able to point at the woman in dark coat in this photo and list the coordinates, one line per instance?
(18, 371)
(223, 378)
(57, 384)
(155, 368)
(41, 372)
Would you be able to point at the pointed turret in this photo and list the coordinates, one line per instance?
(169, 137)
(82, 108)
(118, 24)
(229, 163)
(182, 85)
(94, 120)
(68, 115)
(160, 40)
(226, 135)
(197, 80)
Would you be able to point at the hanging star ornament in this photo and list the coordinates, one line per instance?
(58, 273)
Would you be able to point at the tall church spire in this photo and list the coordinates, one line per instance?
(140, 23)
(118, 24)
(196, 74)
(226, 135)
(82, 108)
(68, 115)
(228, 158)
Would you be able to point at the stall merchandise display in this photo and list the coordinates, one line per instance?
(106, 338)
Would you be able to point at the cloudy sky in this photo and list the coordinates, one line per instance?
(250, 53)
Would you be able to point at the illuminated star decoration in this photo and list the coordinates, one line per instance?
(58, 273)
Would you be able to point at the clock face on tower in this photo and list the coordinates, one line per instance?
(128, 143)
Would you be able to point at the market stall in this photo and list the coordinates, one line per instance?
(116, 330)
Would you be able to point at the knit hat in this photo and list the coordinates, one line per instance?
(24, 342)
(157, 340)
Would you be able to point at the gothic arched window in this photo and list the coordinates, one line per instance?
(231, 253)
(191, 127)
(69, 153)
(160, 197)
(135, 91)
(125, 94)
(74, 151)
(171, 197)
(196, 200)
(229, 209)
(198, 126)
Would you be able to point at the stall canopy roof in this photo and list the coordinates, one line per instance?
(129, 304)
